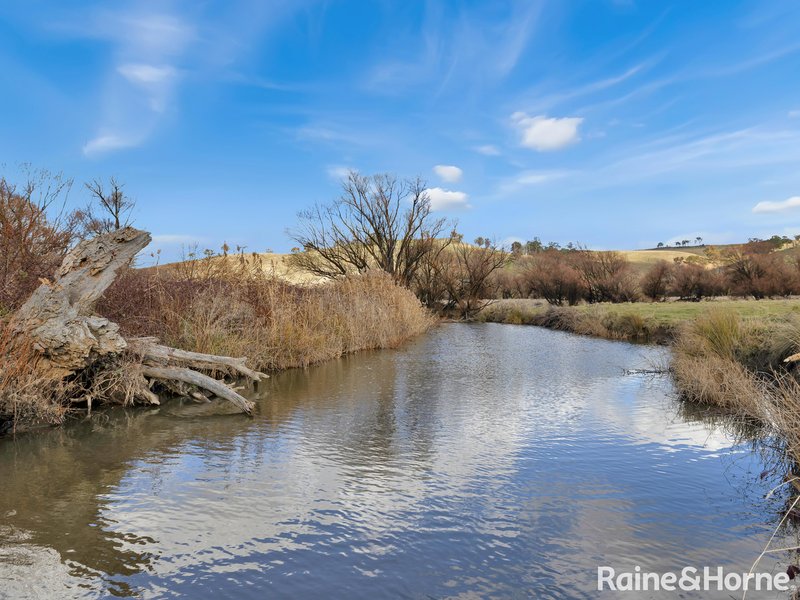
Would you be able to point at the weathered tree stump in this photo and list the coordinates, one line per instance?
(58, 320)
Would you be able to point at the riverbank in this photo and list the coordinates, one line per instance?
(275, 324)
(647, 322)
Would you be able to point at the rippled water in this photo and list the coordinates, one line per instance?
(478, 461)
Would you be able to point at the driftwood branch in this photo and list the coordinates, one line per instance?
(184, 375)
(155, 354)
(58, 319)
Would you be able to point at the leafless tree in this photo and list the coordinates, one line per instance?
(379, 222)
(607, 276)
(112, 202)
(656, 280)
(465, 273)
(36, 231)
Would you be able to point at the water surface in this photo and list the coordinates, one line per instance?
(478, 461)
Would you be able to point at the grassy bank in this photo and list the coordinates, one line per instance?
(656, 322)
(275, 324)
(738, 363)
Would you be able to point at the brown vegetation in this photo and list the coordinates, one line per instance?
(35, 233)
(218, 305)
(753, 270)
(275, 324)
(741, 366)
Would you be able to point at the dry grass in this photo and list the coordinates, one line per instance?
(25, 396)
(736, 363)
(597, 320)
(275, 324)
(641, 260)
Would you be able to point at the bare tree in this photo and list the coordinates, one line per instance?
(36, 231)
(656, 280)
(112, 203)
(379, 222)
(465, 274)
(607, 276)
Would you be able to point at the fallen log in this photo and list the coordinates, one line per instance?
(70, 340)
(184, 375)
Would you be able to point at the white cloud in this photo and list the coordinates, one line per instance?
(487, 150)
(147, 74)
(442, 199)
(545, 134)
(175, 238)
(530, 178)
(448, 173)
(773, 207)
(339, 172)
(794, 114)
(108, 142)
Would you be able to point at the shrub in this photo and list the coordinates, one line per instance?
(656, 281)
(691, 281)
(32, 242)
(761, 275)
(606, 276)
(552, 276)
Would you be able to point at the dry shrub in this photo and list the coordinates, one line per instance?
(761, 275)
(34, 234)
(715, 380)
(512, 312)
(785, 412)
(691, 281)
(553, 276)
(607, 276)
(275, 324)
(25, 395)
(656, 280)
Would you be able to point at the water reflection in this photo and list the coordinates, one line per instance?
(481, 460)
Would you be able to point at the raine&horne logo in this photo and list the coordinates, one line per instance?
(690, 579)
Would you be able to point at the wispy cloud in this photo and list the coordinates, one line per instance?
(144, 74)
(442, 199)
(545, 134)
(107, 142)
(487, 150)
(529, 178)
(472, 42)
(448, 173)
(146, 47)
(339, 172)
(774, 207)
(175, 239)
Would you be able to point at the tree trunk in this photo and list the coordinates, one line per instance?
(58, 319)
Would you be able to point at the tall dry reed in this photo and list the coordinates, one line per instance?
(25, 395)
(275, 324)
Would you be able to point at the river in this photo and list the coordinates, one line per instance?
(477, 461)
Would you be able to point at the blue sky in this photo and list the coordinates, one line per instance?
(618, 124)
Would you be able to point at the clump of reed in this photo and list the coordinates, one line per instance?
(727, 361)
(276, 325)
(26, 396)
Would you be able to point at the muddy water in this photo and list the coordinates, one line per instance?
(478, 461)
